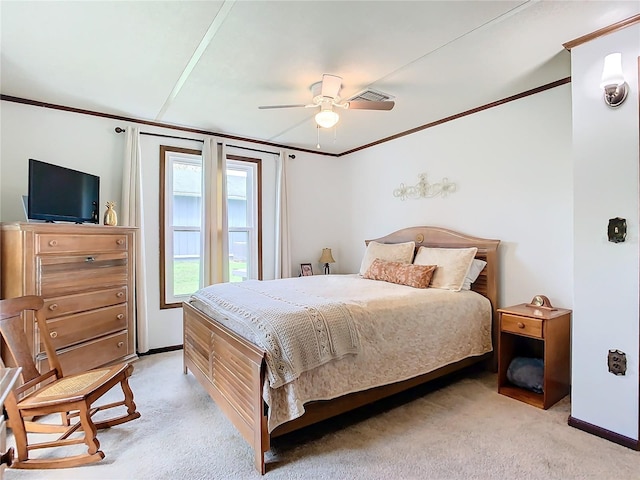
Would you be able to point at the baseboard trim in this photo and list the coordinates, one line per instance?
(604, 433)
(161, 350)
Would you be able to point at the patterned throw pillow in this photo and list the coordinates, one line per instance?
(417, 276)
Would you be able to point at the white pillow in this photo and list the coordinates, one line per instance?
(474, 272)
(391, 252)
(453, 265)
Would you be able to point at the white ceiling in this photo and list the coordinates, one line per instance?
(210, 64)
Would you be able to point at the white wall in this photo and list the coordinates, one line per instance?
(512, 167)
(83, 143)
(606, 299)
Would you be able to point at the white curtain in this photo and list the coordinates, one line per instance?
(283, 241)
(132, 215)
(215, 232)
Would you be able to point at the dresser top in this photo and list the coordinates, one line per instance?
(66, 227)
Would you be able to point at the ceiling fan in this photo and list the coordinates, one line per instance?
(326, 96)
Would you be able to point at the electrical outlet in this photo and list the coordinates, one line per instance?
(617, 362)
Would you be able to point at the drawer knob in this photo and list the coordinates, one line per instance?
(90, 259)
(120, 316)
(53, 243)
(53, 334)
(520, 325)
(120, 241)
(53, 306)
(7, 458)
(120, 344)
(120, 294)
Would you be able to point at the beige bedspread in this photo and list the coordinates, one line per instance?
(403, 331)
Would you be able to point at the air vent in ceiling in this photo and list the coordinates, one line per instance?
(371, 95)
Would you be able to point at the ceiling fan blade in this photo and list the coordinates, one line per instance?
(331, 85)
(369, 105)
(263, 107)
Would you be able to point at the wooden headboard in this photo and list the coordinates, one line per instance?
(487, 282)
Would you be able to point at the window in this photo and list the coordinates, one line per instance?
(243, 218)
(181, 220)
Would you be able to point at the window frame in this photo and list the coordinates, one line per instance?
(166, 271)
(257, 167)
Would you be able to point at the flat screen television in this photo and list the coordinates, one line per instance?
(59, 194)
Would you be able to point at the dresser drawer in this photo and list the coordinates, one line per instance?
(53, 243)
(531, 327)
(90, 355)
(67, 331)
(61, 275)
(80, 302)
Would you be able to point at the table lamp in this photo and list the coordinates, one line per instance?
(326, 258)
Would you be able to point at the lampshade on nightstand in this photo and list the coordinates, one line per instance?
(326, 258)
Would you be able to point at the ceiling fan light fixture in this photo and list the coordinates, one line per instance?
(327, 118)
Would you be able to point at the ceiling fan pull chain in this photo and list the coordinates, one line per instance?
(318, 132)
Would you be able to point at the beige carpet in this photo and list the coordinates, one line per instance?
(460, 429)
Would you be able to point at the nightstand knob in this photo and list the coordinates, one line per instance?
(53, 243)
(53, 334)
(120, 316)
(520, 325)
(53, 306)
(120, 344)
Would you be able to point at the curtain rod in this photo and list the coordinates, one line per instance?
(121, 130)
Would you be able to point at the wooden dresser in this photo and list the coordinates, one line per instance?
(85, 273)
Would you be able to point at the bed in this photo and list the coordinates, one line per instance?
(239, 374)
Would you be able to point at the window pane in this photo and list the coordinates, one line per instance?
(186, 276)
(238, 256)
(237, 198)
(187, 186)
(186, 262)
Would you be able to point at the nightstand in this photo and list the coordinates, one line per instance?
(540, 333)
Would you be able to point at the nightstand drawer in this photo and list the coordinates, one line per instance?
(531, 327)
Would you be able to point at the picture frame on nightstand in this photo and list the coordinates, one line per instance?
(306, 270)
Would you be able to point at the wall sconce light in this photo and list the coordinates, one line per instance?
(613, 83)
(326, 258)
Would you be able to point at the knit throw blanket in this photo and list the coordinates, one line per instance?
(298, 331)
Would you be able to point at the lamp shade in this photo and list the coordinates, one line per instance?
(612, 71)
(327, 118)
(326, 256)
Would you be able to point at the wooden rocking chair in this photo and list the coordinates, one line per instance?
(71, 396)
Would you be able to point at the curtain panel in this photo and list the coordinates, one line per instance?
(132, 215)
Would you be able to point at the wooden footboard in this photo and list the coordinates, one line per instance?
(231, 370)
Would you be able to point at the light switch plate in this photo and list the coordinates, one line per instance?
(617, 230)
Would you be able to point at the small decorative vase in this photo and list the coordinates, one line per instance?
(110, 216)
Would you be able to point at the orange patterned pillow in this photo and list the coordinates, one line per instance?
(417, 276)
